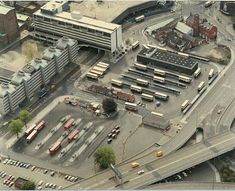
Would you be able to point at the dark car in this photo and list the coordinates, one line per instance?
(109, 141)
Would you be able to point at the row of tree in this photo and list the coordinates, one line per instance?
(16, 125)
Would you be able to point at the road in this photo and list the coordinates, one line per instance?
(194, 186)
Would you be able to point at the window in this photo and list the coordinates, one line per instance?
(107, 34)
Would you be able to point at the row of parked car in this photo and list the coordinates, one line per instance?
(113, 134)
(9, 181)
(16, 163)
(71, 178)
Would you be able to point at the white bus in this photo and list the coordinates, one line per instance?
(157, 114)
(142, 82)
(159, 79)
(200, 86)
(100, 74)
(135, 45)
(131, 106)
(140, 66)
(102, 66)
(184, 79)
(99, 69)
(116, 83)
(92, 76)
(147, 97)
(161, 96)
(136, 88)
(197, 73)
(159, 72)
(185, 104)
(211, 73)
(140, 18)
(145, 46)
(105, 64)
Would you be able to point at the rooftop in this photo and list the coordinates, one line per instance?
(93, 9)
(21, 17)
(5, 9)
(76, 18)
(182, 27)
(168, 57)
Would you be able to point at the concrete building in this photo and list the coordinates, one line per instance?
(27, 82)
(183, 28)
(9, 30)
(52, 22)
(167, 59)
(155, 121)
(201, 27)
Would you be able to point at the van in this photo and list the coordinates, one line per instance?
(159, 153)
(135, 165)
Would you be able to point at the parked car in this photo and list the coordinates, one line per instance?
(40, 183)
(140, 172)
(52, 173)
(117, 127)
(114, 136)
(45, 171)
(109, 140)
(110, 135)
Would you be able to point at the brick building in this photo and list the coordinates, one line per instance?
(9, 30)
(201, 27)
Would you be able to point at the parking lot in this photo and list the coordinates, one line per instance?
(177, 90)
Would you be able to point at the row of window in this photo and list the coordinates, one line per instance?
(83, 29)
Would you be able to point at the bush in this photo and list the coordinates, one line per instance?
(29, 186)
(104, 157)
(109, 105)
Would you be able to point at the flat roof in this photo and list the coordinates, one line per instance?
(112, 9)
(5, 9)
(76, 19)
(22, 17)
(182, 27)
(168, 57)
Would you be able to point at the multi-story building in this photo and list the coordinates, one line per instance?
(202, 27)
(9, 30)
(26, 82)
(52, 22)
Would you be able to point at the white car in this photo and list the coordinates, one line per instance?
(40, 183)
(47, 185)
(39, 188)
(140, 172)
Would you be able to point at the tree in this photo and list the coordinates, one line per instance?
(25, 116)
(16, 126)
(28, 185)
(104, 157)
(109, 105)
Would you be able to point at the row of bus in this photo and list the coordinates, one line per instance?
(163, 73)
(34, 130)
(139, 89)
(97, 71)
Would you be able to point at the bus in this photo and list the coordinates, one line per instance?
(142, 82)
(131, 106)
(135, 45)
(157, 114)
(160, 48)
(185, 104)
(197, 73)
(140, 66)
(92, 76)
(200, 86)
(31, 136)
(145, 46)
(136, 88)
(159, 72)
(102, 66)
(208, 4)
(161, 96)
(55, 147)
(98, 73)
(184, 79)
(116, 83)
(40, 125)
(140, 18)
(30, 129)
(147, 97)
(159, 79)
(211, 73)
(68, 124)
(72, 135)
(103, 70)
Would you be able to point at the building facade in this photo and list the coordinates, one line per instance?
(201, 27)
(9, 30)
(26, 82)
(52, 22)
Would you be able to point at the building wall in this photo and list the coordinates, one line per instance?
(9, 26)
(27, 89)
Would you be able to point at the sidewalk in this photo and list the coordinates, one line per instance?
(10, 142)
